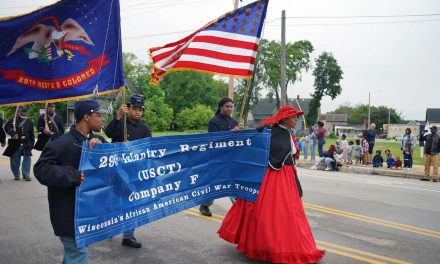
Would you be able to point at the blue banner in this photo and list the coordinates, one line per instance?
(131, 184)
(68, 50)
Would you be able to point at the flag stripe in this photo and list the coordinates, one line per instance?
(227, 45)
(212, 68)
(217, 62)
(226, 42)
(229, 35)
(223, 49)
(161, 59)
(219, 55)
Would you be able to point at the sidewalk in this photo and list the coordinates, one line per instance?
(416, 172)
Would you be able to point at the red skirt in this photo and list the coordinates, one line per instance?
(274, 228)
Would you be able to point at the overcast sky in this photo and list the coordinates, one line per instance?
(389, 48)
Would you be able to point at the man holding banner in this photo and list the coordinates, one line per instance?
(136, 129)
(222, 121)
(57, 168)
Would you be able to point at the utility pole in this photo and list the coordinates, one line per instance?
(368, 109)
(389, 117)
(231, 79)
(283, 58)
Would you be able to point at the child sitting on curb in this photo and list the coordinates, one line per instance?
(389, 158)
(398, 163)
(377, 159)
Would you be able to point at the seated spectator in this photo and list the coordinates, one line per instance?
(407, 158)
(328, 159)
(398, 163)
(389, 159)
(377, 159)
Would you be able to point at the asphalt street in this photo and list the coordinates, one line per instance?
(356, 218)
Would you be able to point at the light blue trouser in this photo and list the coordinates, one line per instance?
(327, 161)
(321, 143)
(15, 163)
(305, 150)
(312, 149)
(73, 255)
(128, 234)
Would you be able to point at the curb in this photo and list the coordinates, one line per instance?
(370, 170)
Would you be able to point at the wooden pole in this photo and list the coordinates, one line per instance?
(124, 118)
(231, 79)
(243, 105)
(283, 58)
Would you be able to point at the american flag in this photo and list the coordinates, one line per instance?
(226, 46)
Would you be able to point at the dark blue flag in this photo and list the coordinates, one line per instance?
(130, 184)
(68, 50)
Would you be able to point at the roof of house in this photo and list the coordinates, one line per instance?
(266, 107)
(336, 117)
(433, 115)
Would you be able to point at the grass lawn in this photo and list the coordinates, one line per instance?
(382, 145)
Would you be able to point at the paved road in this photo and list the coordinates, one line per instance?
(357, 218)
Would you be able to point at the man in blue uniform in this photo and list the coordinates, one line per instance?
(222, 121)
(57, 168)
(49, 127)
(136, 129)
(22, 142)
(2, 133)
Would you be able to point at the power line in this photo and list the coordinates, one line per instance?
(159, 34)
(361, 16)
(12, 7)
(358, 23)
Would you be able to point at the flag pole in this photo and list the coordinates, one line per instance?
(124, 118)
(243, 105)
(304, 118)
(231, 79)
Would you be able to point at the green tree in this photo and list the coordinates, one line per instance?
(327, 74)
(158, 115)
(194, 118)
(379, 115)
(184, 89)
(255, 85)
(297, 62)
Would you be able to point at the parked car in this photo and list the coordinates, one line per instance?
(382, 136)
(398, 138)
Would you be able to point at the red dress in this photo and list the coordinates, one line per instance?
(274, 228)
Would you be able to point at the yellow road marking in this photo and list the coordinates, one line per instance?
(202, 216)
(376, 221)
(321, 244)
(213, 215)
(367, 260)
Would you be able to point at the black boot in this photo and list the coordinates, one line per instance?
(131, 242)
(204, 210)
